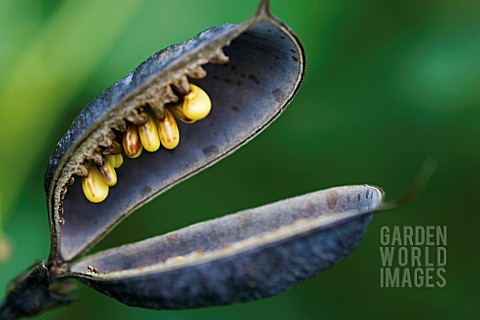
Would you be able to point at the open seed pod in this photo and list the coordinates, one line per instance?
(180, 111)
(249, 71)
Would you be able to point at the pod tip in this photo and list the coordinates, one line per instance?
(263, 9)
(429, 166)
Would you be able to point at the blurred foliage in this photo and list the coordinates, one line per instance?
(389, 83)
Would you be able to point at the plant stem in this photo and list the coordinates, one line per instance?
(31, 293)
(7, 312)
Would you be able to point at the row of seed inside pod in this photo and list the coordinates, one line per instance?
(153, 133)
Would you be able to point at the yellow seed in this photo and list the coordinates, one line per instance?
(113, 148)
(115, 159)
(118, 160)
(177, 111)
(112, 159)
(149, 133)
(108, 172)
(168, 129)
(131, 142)
(93, 185)
(195, 105)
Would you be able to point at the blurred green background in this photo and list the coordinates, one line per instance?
(389, 84)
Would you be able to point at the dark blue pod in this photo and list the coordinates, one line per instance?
(251, 72)
(246, 256)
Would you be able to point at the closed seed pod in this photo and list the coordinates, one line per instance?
(250, 72)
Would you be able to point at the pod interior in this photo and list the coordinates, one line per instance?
(248, 93)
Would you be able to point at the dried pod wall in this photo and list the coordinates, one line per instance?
(179, 112)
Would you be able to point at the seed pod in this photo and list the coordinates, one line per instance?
(279, 245)
(240, 257)
(267, 84)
